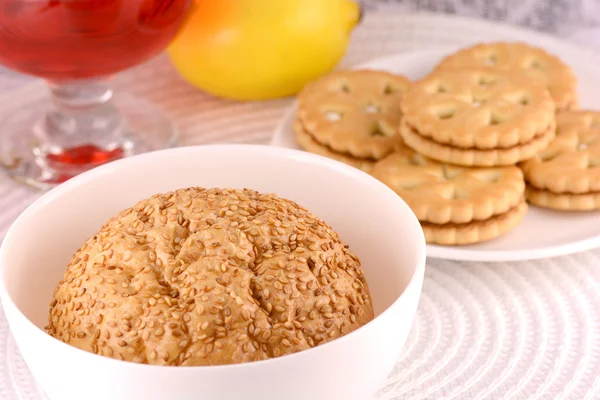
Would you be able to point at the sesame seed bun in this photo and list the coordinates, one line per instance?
(208, 277)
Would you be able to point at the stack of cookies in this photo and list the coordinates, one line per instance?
(491, 128)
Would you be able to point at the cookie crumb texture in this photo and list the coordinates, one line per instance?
(207, 277)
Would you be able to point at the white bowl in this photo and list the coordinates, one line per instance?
(379, 227)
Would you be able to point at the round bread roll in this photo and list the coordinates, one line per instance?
(208, 277)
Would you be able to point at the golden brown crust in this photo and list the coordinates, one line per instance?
(354, 112)
(441, 193)
(475, 231)
(471, 157)
(209, 276)
(538, 64)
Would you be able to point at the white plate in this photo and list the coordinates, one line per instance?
(543, 233)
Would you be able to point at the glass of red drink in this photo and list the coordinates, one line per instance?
(76, 46)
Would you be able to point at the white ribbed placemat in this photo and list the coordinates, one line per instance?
(527, 330)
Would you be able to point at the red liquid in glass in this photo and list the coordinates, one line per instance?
(76, 39)
(62, 40)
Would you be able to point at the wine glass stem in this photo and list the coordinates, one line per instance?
(82, 114)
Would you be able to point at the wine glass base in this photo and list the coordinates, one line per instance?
(30, 158)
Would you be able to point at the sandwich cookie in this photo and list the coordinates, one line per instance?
(455, 205)
(477, 117)
(353, 112)
(566, 175)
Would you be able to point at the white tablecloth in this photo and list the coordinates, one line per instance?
(495, 331)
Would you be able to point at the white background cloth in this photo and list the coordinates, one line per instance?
(525, 330)
(576, 19)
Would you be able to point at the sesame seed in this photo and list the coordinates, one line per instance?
(321, 302)
(279, 309)
(326, 309)
(266, 334)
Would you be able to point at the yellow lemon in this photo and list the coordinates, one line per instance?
(261, 49)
